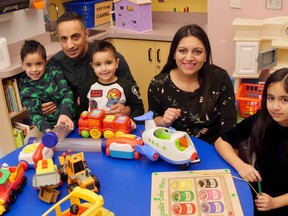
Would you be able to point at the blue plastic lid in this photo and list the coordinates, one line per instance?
(50, 139)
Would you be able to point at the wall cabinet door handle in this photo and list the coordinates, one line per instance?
(149, 54)
(158, 55)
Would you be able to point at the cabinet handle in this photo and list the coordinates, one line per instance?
(149, 54)
(158, 55)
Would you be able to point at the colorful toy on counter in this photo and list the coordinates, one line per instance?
(122, 147)
(82, 202)
(96, 123)
(32, 153)
(173, 146)
(12, 182)
(74, 170)
(45, 179)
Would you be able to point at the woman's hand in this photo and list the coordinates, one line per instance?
(118, 109)
(48, 108)
(170, 115)
(64, 119)
(264, 202)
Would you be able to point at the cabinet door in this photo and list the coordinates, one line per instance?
(247, 58)
(162, 52)
(143, 61)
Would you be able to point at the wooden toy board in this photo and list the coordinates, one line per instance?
(200, 192)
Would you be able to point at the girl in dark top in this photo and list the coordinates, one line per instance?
(268, 130)
(191, 94)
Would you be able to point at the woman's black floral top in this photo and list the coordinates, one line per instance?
(163, 94)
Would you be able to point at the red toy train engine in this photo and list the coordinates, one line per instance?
(96, 123)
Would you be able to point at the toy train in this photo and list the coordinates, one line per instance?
(95, 124)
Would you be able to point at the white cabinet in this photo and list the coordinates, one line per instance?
(247, 58)
(145, 58)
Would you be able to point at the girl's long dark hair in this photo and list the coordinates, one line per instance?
(203, 74)
(264, 121)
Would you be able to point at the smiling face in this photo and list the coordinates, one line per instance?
(73, 38)
(190, 55)
(105, 64)
(34, 65)
(277, 103)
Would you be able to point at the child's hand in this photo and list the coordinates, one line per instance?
(66, 120)
(118, 109)
(264, 202)
(48, 108)
(170, 115)
(248, 172)
(133, 124)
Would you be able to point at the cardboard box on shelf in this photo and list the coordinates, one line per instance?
(102, 12)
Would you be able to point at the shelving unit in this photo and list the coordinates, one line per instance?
(7, 142)
(268, 34)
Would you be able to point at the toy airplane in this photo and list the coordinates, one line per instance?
(173, 146)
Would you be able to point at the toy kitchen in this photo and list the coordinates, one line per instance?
(261, 46)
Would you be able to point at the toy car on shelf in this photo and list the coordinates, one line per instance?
(122, 147)
(74, 170)
(12, 182)
(82, 202)
(96, 123)
(173, 146)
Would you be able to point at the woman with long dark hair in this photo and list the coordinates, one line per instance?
(191, 94)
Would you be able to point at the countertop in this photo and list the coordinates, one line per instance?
(161, 32)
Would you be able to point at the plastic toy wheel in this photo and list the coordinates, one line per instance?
(84, 133)
(63, 175)
(183, 167)
(96, 180)
(31, 140)
(7, 206)
(95, 133)
(119, 134)
(24, 180)
(108, 134)
(12, 196)
(20, 187)
(71, 187)
(136, 155)
(108, 152)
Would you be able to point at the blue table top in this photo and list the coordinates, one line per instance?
(125, 184)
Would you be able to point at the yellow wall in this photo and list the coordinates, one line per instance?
(169, 5)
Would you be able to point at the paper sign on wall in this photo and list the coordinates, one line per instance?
(102, 14)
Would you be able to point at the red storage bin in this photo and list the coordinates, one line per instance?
(249, 98)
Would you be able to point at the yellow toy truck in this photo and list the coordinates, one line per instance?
(46, 179)
(74, 170)
(83, 202)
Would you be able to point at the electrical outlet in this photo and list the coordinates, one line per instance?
(235, 3)
(274, 4)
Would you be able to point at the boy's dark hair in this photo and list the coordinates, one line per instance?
(32, 46)
(101, 46)
(71, 16)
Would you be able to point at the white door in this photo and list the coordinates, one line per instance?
(247, 58)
